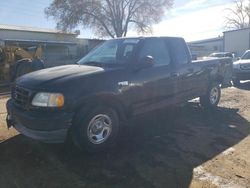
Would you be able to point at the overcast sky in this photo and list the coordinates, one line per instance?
(193, 19)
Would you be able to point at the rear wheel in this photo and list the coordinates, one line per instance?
(212, 96)
(95, 130)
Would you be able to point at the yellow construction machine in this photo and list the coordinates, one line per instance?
(16, 61)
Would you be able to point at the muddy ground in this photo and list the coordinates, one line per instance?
(178, 147)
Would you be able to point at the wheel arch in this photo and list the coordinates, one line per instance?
(108, 100)
(217, 79)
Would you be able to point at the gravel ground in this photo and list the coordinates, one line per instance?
(178, 147)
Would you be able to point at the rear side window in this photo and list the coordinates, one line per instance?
(157, 49)
(179, 51)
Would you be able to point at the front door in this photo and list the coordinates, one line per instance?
(152, 87)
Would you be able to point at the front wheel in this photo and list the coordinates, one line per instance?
(212, 96)
(96, 130)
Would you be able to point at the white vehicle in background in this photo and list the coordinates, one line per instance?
(222, 54)
(241, 68)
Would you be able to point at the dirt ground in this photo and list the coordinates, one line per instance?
(178, 147)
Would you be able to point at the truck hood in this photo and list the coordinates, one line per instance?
(242, 61)
(56, 74)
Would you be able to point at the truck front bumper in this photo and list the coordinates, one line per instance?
(49, 127)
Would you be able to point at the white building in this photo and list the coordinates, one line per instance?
(205, 47)
(237, 41)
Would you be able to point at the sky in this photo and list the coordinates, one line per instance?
(191, 19)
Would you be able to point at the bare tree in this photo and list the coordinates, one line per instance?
(238, 16)
(108, 17)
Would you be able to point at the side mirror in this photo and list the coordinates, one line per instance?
(146, 62)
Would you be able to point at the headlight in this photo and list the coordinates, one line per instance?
(48, 100)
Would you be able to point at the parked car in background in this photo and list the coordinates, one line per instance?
(241, 68)
(222, 54)
(231, 55)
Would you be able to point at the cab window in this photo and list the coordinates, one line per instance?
(157, 49)
(179, 51)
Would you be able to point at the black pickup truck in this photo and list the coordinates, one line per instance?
(90, 100)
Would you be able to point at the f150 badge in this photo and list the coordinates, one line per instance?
(125, 85)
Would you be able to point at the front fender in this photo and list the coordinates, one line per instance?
(104, 99)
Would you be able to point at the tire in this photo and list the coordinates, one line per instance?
(212, 96)
(37, 64)
(236, 82)
(88, 136)
(23, 68)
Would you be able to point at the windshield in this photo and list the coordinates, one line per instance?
(246, 55)
(117, 51)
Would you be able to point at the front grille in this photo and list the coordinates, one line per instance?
(245, 67)
(21, 96)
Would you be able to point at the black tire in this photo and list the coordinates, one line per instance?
(37, 64)
(236, 82)
(212, 96)
(23, 68)
(84, 130)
